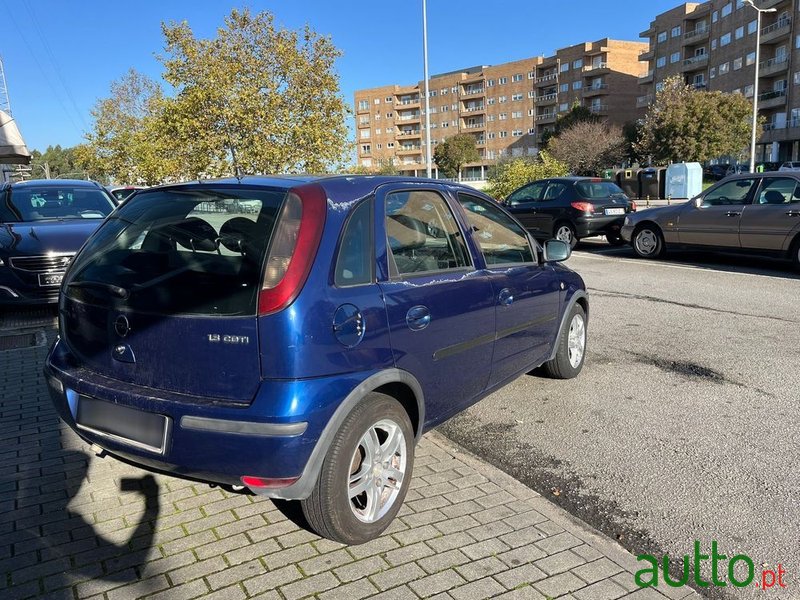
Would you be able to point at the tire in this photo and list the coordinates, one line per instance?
(795, 253)
(330, 510)
(571, 350)
(648, 242)
(614, 239)
(566, 233)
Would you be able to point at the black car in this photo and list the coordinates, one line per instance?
(571, 208)
(43, 223)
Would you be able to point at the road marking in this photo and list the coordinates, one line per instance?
(584, 254)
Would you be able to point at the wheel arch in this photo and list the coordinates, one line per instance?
(647, 223)
(581, 298)
(397, 383)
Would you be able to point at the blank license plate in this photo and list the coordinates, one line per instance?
(48, 279)
(615, 211)
(121, 423)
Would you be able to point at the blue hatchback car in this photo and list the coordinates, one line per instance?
(297, 336)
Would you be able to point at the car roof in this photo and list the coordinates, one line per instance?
(54, 183)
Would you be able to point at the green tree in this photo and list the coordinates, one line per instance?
(507, 176)
(587, 147)
(455, 152)
(55, 162)
(258, 94)
(687, 125)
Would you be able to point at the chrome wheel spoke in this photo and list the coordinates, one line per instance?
(373, 501)
(394, 474)
(360, 486)
(391, 445)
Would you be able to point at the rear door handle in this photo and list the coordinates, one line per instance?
(505, 297)
(793, 213)
(418, 318)
(733, 213)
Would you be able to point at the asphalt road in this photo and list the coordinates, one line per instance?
(683, 425)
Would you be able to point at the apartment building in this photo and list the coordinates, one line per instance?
(506, 107)
(712, 45)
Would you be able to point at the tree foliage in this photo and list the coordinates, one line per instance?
(688, 125)
(507, 176)
(55, 162)
(588, 146)
(455, 152)
(577, 114)
(265, 97)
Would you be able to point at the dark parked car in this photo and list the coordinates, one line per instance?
(43, 223)
(571, 208)
(302, 349)
(757, 213)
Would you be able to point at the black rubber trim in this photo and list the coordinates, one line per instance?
(243, 427)
(488, 338)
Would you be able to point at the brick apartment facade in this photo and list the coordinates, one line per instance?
(505, 107)
(712, 46)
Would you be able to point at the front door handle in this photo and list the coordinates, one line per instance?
(505, 297)
(733, 213)
(418, 318)
(793, 213)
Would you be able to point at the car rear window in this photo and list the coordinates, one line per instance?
(180, 251)
(594, 190)
(55, 202)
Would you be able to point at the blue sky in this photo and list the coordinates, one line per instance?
(60, 57)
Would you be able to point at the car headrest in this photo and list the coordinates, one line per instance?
(773, 197)
(193, 234)
(405, 233)
(238, 234)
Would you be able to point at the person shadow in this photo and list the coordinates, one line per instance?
(49, 546)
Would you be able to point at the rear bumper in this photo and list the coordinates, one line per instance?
(627, 232)
(272, 438)
(589, 226)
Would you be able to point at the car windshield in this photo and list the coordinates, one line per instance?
(594, 190)
(55, 202)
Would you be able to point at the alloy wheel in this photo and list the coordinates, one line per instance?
(576, 340)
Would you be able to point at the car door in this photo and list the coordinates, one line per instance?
(774, 215)
(715, 222)
(440, 307)
(550, 209)
(523, 204)
(526, 293)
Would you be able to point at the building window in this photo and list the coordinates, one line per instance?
(380, 146)
(516, 133)
(516, 97)
(564, 87)
(576, 85)
(748, 90)
(676, 31)
(727, 9)
(714, 44)
(752, 26)
(366, 148)
(390, 145)
(532, 130)
(503, 116)
(491, 135)
(366, 162)
(490, 101)
(501, 99)
(564, 67)
(454, 89)
(659, 86)
(363, 104)
(739, 4)
(715, 16)
(364, 134)
(490, 83)
(796, 78)
(674, 57)
(517, 77)
(388, 99)
(577, 64)
(443, 92)
(661, 61)
(491, 118)
(750, 58)
(662, 37)
(739, 33)
(564, 107)
(377, 100)
(737, 91)
(797, 42)
(363, 120)
(725, 40)
(712, 73)
(531, 74)
(531, 94)
(724, 68)
(530, 112)
(502, 80)
(503, 134)
(378, 131)
(517, 114)
(737, 63)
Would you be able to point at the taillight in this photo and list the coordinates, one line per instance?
(260, 482)
(293, 248)
(586, 207)
(633, 206)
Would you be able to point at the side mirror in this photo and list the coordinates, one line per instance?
(556, 251)
(698, 202)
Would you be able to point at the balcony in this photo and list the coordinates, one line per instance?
(409, 133)
(647, 54)
(699, 85)
(412, 118)
(408, 102)
(472, 91)
(773, 66)
(481, 125)
(771, 3)
(772, 99)
(774, 133)
(595, 90)
(547, 78)
(546, 99)
(547, 117)
(409, 150)
(695, 36)
(599, 109)
(643, 101)
(363, 123)
(781, 28)
(595, 68)
(645, 78)
(479, 108)
(695, 63)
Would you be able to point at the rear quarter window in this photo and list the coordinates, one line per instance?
(594, 190)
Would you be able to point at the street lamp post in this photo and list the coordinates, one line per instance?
(427, 95)
(755, 83)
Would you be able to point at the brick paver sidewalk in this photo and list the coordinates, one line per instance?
(76, 526)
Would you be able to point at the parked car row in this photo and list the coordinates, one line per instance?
(295, 336)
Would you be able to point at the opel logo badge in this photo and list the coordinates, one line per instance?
(121, 326)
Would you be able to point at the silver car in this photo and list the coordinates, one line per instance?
(757, 212)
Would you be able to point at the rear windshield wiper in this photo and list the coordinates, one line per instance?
(119, 292)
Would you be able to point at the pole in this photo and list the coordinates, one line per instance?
(427, 95)
(755, 94)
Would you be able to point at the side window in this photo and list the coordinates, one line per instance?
(776, 190)
(355, 262)
(422, 234)
(530, 193)
(733, 192)
(554, 190)
(796, 196)
(501, 239)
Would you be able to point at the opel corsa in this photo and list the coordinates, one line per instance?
(297, 336)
